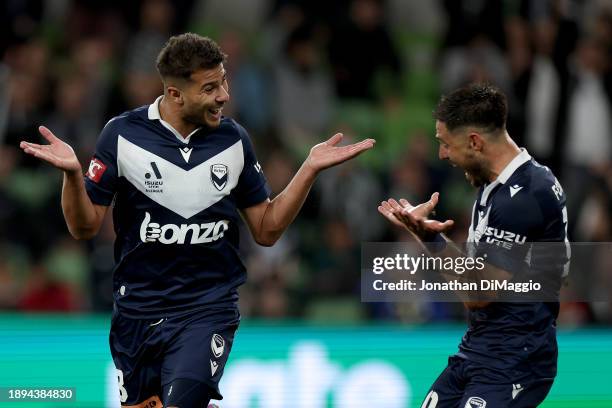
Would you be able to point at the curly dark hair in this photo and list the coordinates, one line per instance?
(186, 53)
(481, 105)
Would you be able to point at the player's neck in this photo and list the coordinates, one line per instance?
(503, 155)
(171, 116)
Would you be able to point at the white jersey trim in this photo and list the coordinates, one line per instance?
(185, 192)
(153, 114)
(520, 159)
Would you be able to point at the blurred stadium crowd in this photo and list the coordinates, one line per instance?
(299, 71)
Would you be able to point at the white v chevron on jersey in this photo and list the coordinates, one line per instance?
(185, 192)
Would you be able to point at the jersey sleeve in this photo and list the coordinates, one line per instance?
(101, 175)
(525, 234)
(252, 187)
(553, 252)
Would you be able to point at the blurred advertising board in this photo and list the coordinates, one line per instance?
(286, 365)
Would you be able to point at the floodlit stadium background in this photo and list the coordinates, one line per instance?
(299, 71)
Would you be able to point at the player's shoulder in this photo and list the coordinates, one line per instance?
(234, 130)
(229, 125)
(125, 120)
(534, 185)
(541, 182)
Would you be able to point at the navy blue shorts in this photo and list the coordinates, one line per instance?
(467, 384)
(150, 354)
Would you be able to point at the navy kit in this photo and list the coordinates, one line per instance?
(175, 210)
(508, 356)
(150, 353)
(466, 384)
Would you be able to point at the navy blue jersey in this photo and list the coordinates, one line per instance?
(525, 205)
(175, 210)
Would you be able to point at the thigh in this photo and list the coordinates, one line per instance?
(185, 393)
(531, 394)
(198, 351)
(528, 394)
(136, 346)
(447, 390)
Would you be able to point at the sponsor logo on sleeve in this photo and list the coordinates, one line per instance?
(96, 170)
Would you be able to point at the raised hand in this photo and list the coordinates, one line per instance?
(328, 154)
(57, 153)
(414, 218)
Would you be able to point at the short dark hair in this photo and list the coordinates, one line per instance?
(186, 53)
(481, 105)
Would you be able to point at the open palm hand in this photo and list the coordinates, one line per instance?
(328, 153)
(414, 218)
(57, 153)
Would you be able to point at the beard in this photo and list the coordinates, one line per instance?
(197, 115)
(476, 175)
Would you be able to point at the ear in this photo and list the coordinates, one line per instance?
(476, 141)
(175, 94)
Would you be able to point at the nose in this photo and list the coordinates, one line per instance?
(442, 153)
(223, 95)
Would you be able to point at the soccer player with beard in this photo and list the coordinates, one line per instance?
(179, 175)
(508, 357)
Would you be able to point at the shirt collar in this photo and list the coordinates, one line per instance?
(153, 111)
(153, 114)
(517, 162)
(505, 174)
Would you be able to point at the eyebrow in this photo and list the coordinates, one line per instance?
(214, 82)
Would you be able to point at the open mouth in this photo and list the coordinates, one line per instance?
(215, 113)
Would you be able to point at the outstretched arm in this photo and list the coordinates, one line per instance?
(83, 218)
(416, 220)
(269, 219)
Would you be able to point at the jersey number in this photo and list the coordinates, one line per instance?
(123, 396)
(431, 400)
